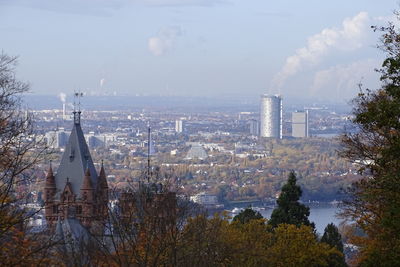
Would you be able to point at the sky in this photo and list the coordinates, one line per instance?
(309, 49)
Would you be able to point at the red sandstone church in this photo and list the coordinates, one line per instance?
(76, 191)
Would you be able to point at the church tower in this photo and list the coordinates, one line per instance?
(75, 190)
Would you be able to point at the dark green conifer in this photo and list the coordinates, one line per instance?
(289, 209)
(333, 238)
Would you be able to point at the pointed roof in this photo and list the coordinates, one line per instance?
(102, 177)
(50, 180)
(70, 232)
(75, 160)
(50, 171)
(102, 171)
(87, 184)
(68, 186)
(59, 231)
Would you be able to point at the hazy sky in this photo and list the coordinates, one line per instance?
(309, 48)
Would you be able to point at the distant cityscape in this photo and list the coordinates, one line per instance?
(121, 127)
(219, 155)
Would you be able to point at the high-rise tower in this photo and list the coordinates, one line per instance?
(179, 126)
(271, 116)
(300, 124)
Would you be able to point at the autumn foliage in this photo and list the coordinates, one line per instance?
(375, 146)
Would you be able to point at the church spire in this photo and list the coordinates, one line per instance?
(87, 184)
(102, 177)
(50, 186)
(50, 180)
(76, 158)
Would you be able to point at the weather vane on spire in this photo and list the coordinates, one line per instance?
(77, 105)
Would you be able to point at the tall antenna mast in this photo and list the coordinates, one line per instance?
(74, 102)
(148, 151)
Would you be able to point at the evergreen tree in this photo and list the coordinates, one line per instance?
(247, 215)
(289, 210)
(333, 238)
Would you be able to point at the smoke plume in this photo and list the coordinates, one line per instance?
(102, 81)
(62, 97)
(348, 37)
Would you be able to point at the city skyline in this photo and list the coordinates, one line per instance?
(195, 47)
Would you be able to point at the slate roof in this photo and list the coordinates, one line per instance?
(71, 234)
(74, 162)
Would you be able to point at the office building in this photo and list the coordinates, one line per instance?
(300, 124)
(271, 116)
(254, 127)
(179, 126)
(57, 139)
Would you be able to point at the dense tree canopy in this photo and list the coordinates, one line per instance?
(19, 153)
(375, 146)
(246, 215)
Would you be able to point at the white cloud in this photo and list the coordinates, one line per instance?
(340, 82)
(164, 41)
(349, 37)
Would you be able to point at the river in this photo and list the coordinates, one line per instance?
(321, 215)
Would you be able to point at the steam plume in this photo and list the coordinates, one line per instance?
(349, 37)
(102, 81)
(62, 97)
